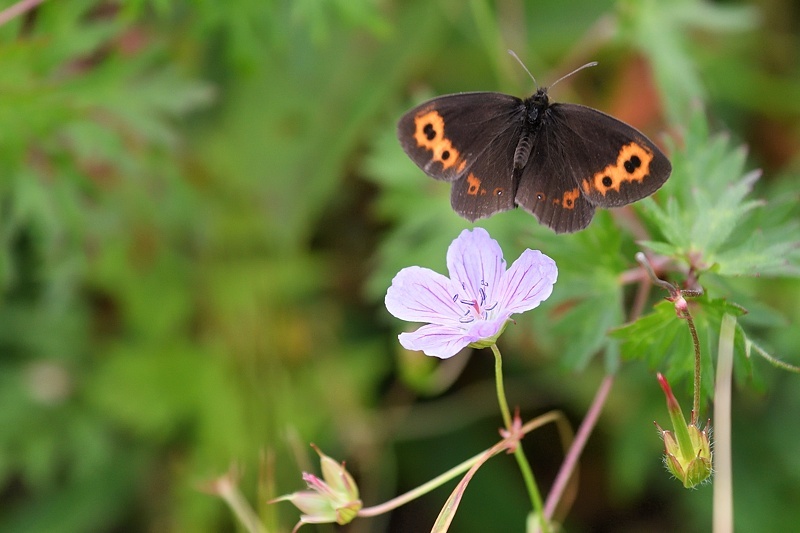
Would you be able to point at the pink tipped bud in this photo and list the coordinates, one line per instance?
(681, 306)
(334, 498)
(688, 449)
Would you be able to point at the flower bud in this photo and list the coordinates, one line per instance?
(688, 449)
(334, 498)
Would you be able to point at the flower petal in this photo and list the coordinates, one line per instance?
(312, 503)
(421, 295)
(485, 329)
(436, 340)
(475, 262)
(446, 341)
(527, 283)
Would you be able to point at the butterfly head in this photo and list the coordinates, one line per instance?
(540, 97)
(537, 104)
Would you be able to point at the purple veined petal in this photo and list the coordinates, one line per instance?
(528, 282)
(475, 261)
(485, 329)
(446, 341)
(435, 340)
(421, 295)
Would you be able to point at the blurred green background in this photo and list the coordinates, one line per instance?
(203, 203)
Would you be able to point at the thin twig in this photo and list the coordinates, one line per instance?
(574, 453)
(17, 9)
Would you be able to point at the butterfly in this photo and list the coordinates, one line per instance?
(557, 161)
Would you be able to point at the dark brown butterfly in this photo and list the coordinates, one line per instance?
(557, 161)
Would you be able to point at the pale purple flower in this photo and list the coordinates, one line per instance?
(473, 306)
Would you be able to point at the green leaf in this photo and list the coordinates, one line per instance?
(596, 316)
(664, 341)
(710, 223)
(588, 289)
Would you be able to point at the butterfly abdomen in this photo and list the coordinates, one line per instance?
(523, 150)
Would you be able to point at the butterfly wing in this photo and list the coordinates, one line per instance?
(625, 165)
(582, 159)
(468, 139)
(548, 186)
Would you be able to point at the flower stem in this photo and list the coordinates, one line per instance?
(436, 482)
(677, 296)
(225, 488)
(547, 418)
(723, 469)
(501, 390)
(696, 343)
(519, 454)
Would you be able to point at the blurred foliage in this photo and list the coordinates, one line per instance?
(203, 203)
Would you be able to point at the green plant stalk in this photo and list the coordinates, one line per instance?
(457, 470)
(519, 454)
(777, 363)
(226, 489)
(423, 489)
(696, 343)
(723, 469)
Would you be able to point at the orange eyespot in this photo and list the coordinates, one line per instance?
(429, 134)
(474, 188)
(633, 164)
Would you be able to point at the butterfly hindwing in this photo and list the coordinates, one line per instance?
(548, 188)
(467, 139)
(583, 158)
(620, 166)
(489, 185)
(554, 201)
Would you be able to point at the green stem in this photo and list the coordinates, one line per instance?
(723, 469)
(226, 488)
(777, 363)
(436, 482)
(696, 343)
(501, 389)
(519, 454)
(547, 418)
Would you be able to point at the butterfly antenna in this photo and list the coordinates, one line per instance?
(523, 66)
(587, 65)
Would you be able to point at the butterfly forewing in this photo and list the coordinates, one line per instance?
(448, 135)
(614, 164)
(489, 185)
(557, 204)
(583, 158)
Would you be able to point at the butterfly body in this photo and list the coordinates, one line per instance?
(557, 161)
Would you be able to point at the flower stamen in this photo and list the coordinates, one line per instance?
(475, 310)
